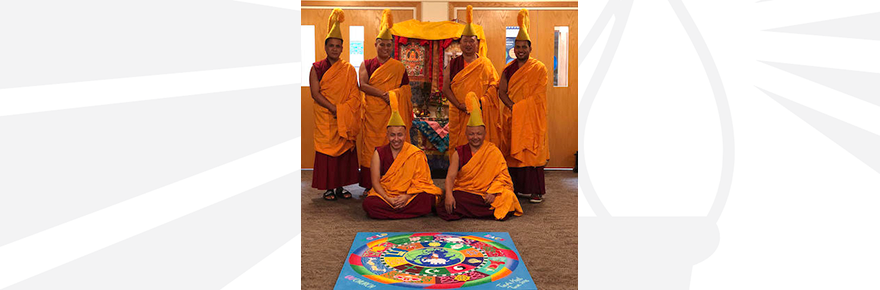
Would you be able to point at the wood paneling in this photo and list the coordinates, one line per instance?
(562, 102)
(453, 5)
(369, 19)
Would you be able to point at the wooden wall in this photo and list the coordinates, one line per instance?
(369, 19)
(562, 102)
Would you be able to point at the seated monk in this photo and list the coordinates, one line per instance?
(402, 185)
(478, 184)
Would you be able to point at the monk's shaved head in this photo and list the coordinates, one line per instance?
(475, 135)
(384, 48)
(469, 44)
(333, 48)
(396, 136)
(522, 49)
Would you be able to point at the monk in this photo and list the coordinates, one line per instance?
(523, 90)
(402, 185)
(477, 183)
(380, 77)
(333, 86)
(471, 73)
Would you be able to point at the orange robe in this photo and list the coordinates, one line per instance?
(525, 130)
(336, 135)
(481, 78)
(376, 112)
(486, 172)
(409, 174)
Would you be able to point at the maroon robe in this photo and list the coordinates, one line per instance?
(456, 65)
(372, 65)
(333, 172)
(377, 208)
(510, 69)
(526, 180)
(467, 205)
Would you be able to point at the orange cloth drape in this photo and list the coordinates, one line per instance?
(479, 77)
(334, 136)
(376, 112)
(409, 174)
(486, 172)
(525, 129)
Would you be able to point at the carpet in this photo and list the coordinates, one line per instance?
(546, 235)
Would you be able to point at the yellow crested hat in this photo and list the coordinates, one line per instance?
(522, 19)
(473, 106)
(469, 29)
(385, 25)
(333, 24)
(396, 119)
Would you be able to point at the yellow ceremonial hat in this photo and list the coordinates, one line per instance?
(333, 24)
(396, 119)
(522, 19)
(385, 25)
(473, 106)
(469, 29)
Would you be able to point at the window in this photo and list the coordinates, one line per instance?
(356, 47)
(307, 54)
(560, 56)
(511, 32)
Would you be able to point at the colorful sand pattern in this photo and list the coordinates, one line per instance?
(434, 261)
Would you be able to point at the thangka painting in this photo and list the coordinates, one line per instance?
(413, 56)
(472, 260)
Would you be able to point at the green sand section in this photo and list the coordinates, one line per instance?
(399, 240)
(428, 271)
(413, 256)
(361, 270)
(461, 246)
(483, 280)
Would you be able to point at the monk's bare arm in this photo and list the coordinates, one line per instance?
(315, 88)
(502, 92)
(449, 201)
(451, 173)
(375, 172)
(371, 91)
(447, 91)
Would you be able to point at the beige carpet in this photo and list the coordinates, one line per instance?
(546, 235)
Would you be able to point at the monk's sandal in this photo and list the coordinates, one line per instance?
(536, 198)
(342, 193)
(329, 195)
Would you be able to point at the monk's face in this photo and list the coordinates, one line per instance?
(522, 50)
(333, 47)
(475, 135)
(396, 137)
(469, 44)
(384, 48)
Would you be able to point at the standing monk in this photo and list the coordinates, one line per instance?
(333, 84)
(402, 185)
(523, 90)
(478, 184)
(471, 73)
(379, 77)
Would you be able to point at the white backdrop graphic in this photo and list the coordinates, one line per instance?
(723, 144)
(729, 144)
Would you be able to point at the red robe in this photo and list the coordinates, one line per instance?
(332, 171)
(411, 178)
(527, 177)
(471, 204)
